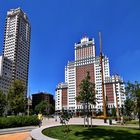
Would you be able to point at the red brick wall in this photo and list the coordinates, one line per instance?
(64, 97)
(81, 72)
(109, 92)
(83, 52)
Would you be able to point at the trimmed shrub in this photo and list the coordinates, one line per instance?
(132, 122)
(18, 121)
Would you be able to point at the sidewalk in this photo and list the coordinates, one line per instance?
(16, 130)
(37, 133)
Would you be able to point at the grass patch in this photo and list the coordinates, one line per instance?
(79, 132)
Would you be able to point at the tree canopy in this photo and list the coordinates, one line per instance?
(3, 102)
(43, 107)
(132, 103)
(16, 100)
(87, 92)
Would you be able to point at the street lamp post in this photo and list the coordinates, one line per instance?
(102, 76)
(117, 109)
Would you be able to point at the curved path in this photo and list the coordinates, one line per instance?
(36, 134)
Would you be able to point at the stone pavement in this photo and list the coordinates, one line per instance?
(37, 133)
(77, 120)
(25, 134)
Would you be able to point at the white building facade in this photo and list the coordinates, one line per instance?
(17, 44)
(87, 61)
(61, 97)
(5, 74)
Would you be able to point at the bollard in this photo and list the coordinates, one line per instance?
(110, 121)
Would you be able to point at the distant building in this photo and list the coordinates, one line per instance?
(114, 89)
(42, 96)
(75, 71)
(61, 96)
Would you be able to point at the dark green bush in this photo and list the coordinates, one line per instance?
(132, 122)
(18, 121)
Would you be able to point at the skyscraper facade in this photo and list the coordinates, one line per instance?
(5, 74)
(75, 71)
(17, 44)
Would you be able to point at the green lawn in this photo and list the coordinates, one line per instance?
(95, 133)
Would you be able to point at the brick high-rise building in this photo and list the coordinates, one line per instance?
(87, 61)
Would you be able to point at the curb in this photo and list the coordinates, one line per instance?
(36, 134)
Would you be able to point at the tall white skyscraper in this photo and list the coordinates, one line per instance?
(17, 44)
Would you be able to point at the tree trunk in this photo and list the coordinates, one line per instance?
(91, 121)
(84, 121)
(139, 123)
(88, 121)
(87, 115)
(139, 119)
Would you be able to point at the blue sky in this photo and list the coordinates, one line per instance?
(58, 24)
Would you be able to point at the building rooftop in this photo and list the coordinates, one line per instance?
(84, 41)
(18, 10)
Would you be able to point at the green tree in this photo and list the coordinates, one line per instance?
(87, 94)
(113, 111)
(64, 119)
(133, 95)
(43, 107)
(129, 106)
(17, 101)
(3, 103)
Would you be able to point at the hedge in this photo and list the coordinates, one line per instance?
(132, 122)
(18, 121)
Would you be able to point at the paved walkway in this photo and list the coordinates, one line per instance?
(25, 134)
(47, 122)
(37, 133)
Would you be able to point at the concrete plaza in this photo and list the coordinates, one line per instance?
(26, 132)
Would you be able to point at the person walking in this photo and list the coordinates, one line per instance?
(40, 118)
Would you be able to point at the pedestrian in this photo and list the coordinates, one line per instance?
(122, 120)
(40, 118)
